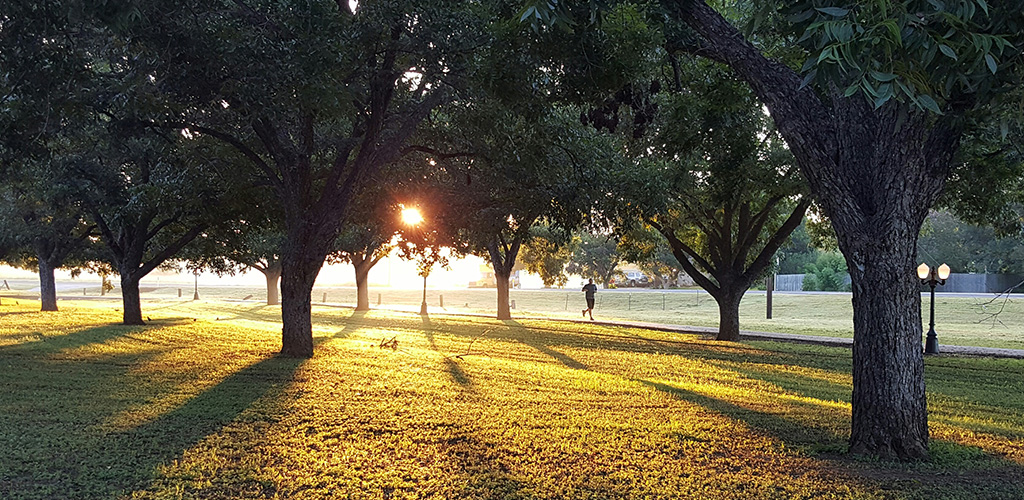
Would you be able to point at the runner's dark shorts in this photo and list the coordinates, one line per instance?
(590, 302)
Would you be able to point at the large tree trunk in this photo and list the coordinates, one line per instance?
(501, 278)
(889, 404)
(47, 285)
(362, 269)
(273, 276)
(130, 299)
(298, 275)
(503, 259)
(893, 174)
(729, 314)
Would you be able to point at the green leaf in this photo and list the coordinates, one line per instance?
(984, 6)
(527, 13)
(946, 49)
(833, 11)
(884, 94)
(852, 89)
(929, 103)
(882, 77)
(825, 54)
(800, 16)
(991, 62)
(808, 78)
(894, 30)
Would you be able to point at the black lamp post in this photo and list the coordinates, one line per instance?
(932, 277)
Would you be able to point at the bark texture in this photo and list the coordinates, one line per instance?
(503, 258)
(504, 309)
(273, 277)
(729, 315)
(301, 264)
(131, 300)
(363, 262)
(47, 285)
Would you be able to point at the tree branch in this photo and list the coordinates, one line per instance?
(169, 251)
(763, 258)
(683, 253)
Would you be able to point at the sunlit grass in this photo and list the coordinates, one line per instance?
(196, 405)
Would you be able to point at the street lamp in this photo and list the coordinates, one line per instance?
(932, 277)
(412, 217)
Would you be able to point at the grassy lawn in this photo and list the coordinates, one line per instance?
(196, 405)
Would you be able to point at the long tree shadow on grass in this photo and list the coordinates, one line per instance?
(455, 372)
(120, 462)
(41, 343)
(53, 409)
(789, 431)
(530, 338)
(353, 323)
(166, 438)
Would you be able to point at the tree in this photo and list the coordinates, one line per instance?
(316, 96)
(368, 234)
(596, 258)
(427, 240)
(969, 248)
(874, 110)
(149, 196)
(529, 165)
(45, 96)
(45, 227)
(546, 253)
(827, 273)
(797, 252)
(253, 241)
(719, 185)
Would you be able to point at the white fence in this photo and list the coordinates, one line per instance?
(957, 283)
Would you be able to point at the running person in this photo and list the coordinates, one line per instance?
(590, 289)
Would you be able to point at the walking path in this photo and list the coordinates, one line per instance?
(744, 334)
(802, 339)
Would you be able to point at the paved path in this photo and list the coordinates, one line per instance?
(802, 339)
(744, 334)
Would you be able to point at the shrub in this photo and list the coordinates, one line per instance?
(827, 273)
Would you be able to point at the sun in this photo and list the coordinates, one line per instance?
(411, 216)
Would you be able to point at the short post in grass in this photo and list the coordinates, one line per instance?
(629, 303)
(440, 301)
(769, 287)
(195, 296)
(378, 299)
(932, 277)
